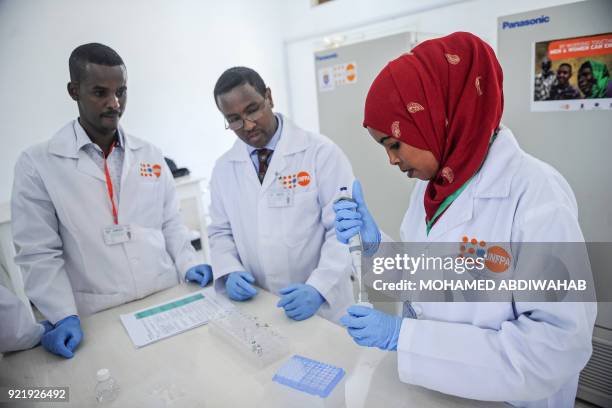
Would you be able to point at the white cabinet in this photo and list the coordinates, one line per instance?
(189, 191)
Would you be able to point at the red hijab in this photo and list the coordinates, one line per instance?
(444, 96)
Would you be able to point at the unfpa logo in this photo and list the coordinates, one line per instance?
(293, 180)
(496, 258)
(303, 178)
(150, 170)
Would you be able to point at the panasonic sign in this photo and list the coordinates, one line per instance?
(522, 23)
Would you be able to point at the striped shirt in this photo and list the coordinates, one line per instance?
(114, 160)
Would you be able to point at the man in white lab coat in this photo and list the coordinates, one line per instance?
(272, 195)
(95, 215)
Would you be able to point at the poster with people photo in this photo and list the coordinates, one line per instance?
(572, 74)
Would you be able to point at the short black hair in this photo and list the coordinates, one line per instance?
(94, 53)
(567, 65)
(586, 64)
(236, 76)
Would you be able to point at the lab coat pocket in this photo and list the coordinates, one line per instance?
(150, 205)
(301, 219)
(148, 251)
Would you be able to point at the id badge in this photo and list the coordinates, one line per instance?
(116, 234)
(280, 198)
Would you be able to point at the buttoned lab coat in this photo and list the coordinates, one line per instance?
(60, 207)
(19, 329)
(531, 355)
(290, 244)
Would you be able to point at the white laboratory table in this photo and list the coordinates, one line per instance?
(196, 369)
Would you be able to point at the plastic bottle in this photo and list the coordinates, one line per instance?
(106, 388)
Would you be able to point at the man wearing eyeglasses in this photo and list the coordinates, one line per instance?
(272, 195)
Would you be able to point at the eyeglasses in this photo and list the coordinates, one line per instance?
(251, 117)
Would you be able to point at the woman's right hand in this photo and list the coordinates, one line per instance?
(350, 222)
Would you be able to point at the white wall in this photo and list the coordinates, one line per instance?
(339, 15)
(174, 52)
(369, 19)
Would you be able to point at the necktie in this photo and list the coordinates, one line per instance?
(263, 155)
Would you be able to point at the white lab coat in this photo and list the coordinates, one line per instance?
(19, 330)
(281, 246)
(480, 350)
(60, 206)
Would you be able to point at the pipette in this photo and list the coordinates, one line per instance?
(355, 248)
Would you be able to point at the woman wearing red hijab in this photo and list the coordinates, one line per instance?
(437, 113)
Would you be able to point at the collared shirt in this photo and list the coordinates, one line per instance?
(558, 92)
(114, 160)
(271, 144)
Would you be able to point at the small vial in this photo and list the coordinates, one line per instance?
(106, 388)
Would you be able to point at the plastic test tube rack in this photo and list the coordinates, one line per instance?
(256, 340)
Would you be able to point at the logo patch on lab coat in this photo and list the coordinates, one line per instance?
(150, 170)
(497, 259)
(301, 178)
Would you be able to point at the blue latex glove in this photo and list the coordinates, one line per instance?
(372, 328)
(300, 301)
(238, 286)
(350, 222)
(200, 274)
(64, 338)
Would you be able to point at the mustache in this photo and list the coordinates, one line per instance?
(111, 113)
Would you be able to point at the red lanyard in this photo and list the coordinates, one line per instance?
(109, 185)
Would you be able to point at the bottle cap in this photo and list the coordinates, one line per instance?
(103, 374)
